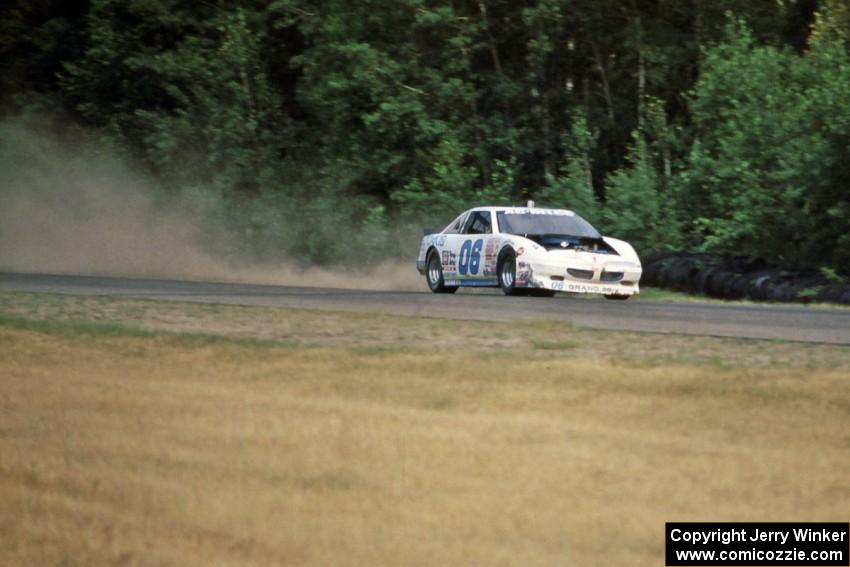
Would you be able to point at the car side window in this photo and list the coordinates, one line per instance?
(457, 225)
(479, 223)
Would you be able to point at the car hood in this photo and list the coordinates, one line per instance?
(617, 253)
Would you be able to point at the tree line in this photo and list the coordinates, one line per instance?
(711, 126)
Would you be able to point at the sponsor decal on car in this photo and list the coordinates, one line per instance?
(449, 261)
(553, 212)
(575, 287)
(490, 256)
(437, 240)
(524, 273)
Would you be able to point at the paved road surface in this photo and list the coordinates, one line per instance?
(764, 322)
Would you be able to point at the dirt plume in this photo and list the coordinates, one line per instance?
(78, 209)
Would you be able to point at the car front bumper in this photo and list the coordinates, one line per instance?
(619, 278)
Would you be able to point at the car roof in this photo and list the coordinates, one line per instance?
(519, 209)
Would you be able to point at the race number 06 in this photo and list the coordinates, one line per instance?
(469, 259)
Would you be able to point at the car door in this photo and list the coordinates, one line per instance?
(477, 235)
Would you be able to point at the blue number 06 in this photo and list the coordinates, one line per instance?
(469, 259)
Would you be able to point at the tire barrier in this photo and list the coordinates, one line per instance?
(740, 278)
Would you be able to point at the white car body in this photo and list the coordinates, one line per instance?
(472, 254)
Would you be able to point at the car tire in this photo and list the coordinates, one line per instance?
(506, 272)
(434, 276)
(617, 297)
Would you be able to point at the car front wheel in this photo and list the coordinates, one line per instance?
(617, 297)
(434, 276)
(507, 274)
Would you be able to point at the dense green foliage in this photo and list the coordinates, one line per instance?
(719, 126)
(768, 172)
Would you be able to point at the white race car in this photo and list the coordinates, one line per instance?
(528, 250)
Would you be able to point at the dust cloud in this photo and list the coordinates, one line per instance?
(74, 208)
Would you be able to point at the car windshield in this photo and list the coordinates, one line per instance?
(545, 221)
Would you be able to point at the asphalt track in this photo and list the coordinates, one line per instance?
(817, 325)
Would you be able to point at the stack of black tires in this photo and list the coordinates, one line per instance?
(741, 278)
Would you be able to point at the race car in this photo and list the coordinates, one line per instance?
(528, 250)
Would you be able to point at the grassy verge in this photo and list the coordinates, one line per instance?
(374, 332)
(659, 294)
(86, 330)
(139, 432)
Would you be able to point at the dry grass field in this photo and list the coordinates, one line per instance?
(153, 433)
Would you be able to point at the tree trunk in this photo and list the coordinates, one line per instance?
(606, 87)
(641, 71)
(494, 51)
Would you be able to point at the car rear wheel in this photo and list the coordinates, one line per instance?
(434, 276)
(617, 297)
(507, 273)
